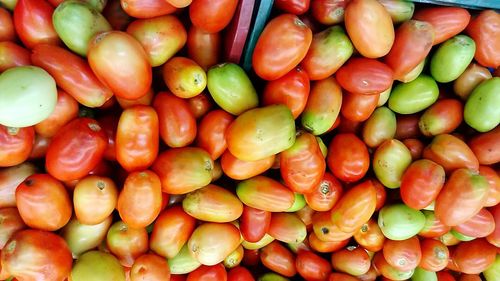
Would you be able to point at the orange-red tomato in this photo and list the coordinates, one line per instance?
(446, 21)
(94, 199)
(7, 32)
(370, 236)
(381, 194)
(370, 27)
(443, 117)
(348, 157)
(127, 243)
(325, 246)
(365, 76)
(296, 7)
(386, 270)
(281, 46)
(473, 257)
(66, 110)
(494, 180)
(251, 257)
(12, 55)
(341, 277)
(358, 107)
(212, 132)
(287, 227)
(212, 16)
(200, 104)
(494, 237)
(421, 183)
(403, 255)
(415, 146)
(434, 255)
(177, 122)
(241, 170)
(109, 124)
(328, 12)
(311, 266)
(451, 153)
(486, 147)
(203, 47)
(407, 126)
(325, 195)
(147, 8)
(445, 276)
(278, 258)
(254, 223)
(10, 178)
(33, 23)
(16, 145)
(239, 273)
(150, 267)
(326, 230)
(353, 261)
(144, 100)
(10, 222)
(484, 30)
(480, 225)
(470, 277)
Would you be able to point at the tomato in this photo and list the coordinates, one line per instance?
(287, 227)
(241, 170)
(328, 12)
(131, 79)
(494, 181)
(494, 237)
(462, 197)
(451, 153)
(353, 261)
(412, 44)
(200, 104)
(278, 258)
(172, 229)
(184, 77)
(475, 256)
(254, 223)
(445, 276)
(83, 237)
(434, 255)
(179, 3)
(323, 106)
(446, 21)
(239, 273)
(36, 255)
(329, 50)
(365, 76)
(10, 222)
(127, 243)
(33, 23)
(10, 178)
(443, 117)
(212, 132)
(452, 58)
(98, 192)
(144, 9)
(370, 236)
(177, 123)
(335, 276)
(400, 11)
(206, 273)
(234, 259)
(415, 146)
(421, 183)
(381, 126)
(400, 222)
(473, 75)
(370, 27)
(213, 203)
(407, 126)
(390, 162)
(12, 55)
(150, 267)
(281, 46)
(16, 145)
(7, 32)
(479, 110)
(211, 242)
(325, 195)
(66, 110)
(212, 16)
(480, 225)
(43, 202)
(358, 107)
(387, 271)
(116, 16)
(296, 7)
(311, 266)
(324, 246)
(202, 47)
(96, 265)
(403, 255)
(161, 37)
(483, 29)
(414, 96)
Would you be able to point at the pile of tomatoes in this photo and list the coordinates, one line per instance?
(363, 145)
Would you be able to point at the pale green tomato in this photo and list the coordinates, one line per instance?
(400, 222)
(423, 275)
(452, 58)
(390, 161)
(299, 203)
(183, 262)
(97, 266)
(482, 109)
(82, 237)
(414, 96)
(492, 273)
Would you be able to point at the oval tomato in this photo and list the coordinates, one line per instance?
(446, 21)
(16, 145)
(486, 147)
(200, 104)
(325, 195)
(403, 255)
(10, 178)
(328, 12)
(421, 183)
(407, 126)
(10, 222)
(12, 55)
(239, 273)
(241, 170)
(211, 242)
(387, 271)
(358, 107)
(254, 223)
(348, 157)
(212, 16)
(184, 77)
(203, 47)
(127, 243)
(98, 192)
(443, 117)
(326, 230)
(483, 29)
(370, 236)
(494, 181)
(381, 126)
(451, 153)
(311, 266)
(212, 132)
(296, 7)
(278, 258)
(365, 76)
(415, 146)
(33, 23)
(207, 273)
(66, 110)
(149, 267)
(480, 225)
(353, 261)
(287, 227)
(473, 75)
(325, 246)
(147, 8)
(475, 256)
(434, 255)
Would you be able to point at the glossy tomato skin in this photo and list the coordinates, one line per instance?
(239, 273)
(203, 47)
(281, 46)
(486, 147)
(278, 258)
(473, 75)
(473, 257)
(446, 21)
(451, 153)
(326, 194)
(211, 134)
(328, 12)
(12, 55)
(494, 237)
(480, 225)
(33, 23)
(241, 170)
(207, 273)
(147, 9)
(415, 146)
(254, 223)
(296, 7)
(494, 180)
(434, 255)
(37, 255)
(323, 246)
(311, 266)
(326, 230)
(287, 228)
(72, 74)
(443, 117)
(7, 32)
(407, 126)
(16, 145)
(358, 107)
(335, 276)
(484, 32)
(365, 76)
(10, 222)
(403, 255)
(68, 156)
(212, 16)
(370, 236)
(353, 261)
(149, 267)
(100, 193)
(348, 157)
(10, 178)
(127, 243)
(66, 110)
(421, 183)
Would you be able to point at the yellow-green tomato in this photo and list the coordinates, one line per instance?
(423, 275)
(400, 222)
(83, 237)
(97, 266)
(414, 96)
(183, 262)
(492, 273)
(482, 109)
(28, 95)
(452, 58)
(390, 161)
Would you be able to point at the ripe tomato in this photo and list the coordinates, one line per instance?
(494, 181)
(403, 255)
(10, 178)
(341, 277)
(483, 29)
(278, 258)
(281, 46)
(287, 228)
(353, 261)
(311, 266)
(473, 257)
(434, 255)
(358, 107)
(127, 243)
(147, 8)
(443, 117)
(239, 273)
(326, 230)
(184, 77)
(16, 145)
(433, 227)
(36, 255)
(381, 194)
(179, 3)
(387, 271)
(7, 32)
(66, 110)
(486, 147)
(328, 12)
(12, 55)
(212, 132)
(370, 27)
(264, 193)
(33, 23)
(446, 21)
(445, 276)
(76, 149)
(98, 192)
(379, 127)
(203, 47)
(473, 75)
(325, 246)
(480, 225)
(212, 16)
(451, 153)
(494, 238)
(10, 222)
(131, 78)
(254, 223)
(407, 126)
(370, 236)
(421, 183)
(325, 195)
(348, 157)
(365, 76)
(207, 273)
(241, 170)
(296, 7)
(149, 267)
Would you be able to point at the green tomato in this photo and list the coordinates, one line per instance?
(231, 88)
(381, 126)
(272, 277)
(76, 22)
(400, 222)
(28, 95)
(322, 146)
(266, 240)
(9, 4)
(299, 203)
(384, 97)
(482, 109)
(390, 161)
(460, 236)
(452, 58)
(423, 275)
(183, 262)
(82, 237)
(414, 73)
(492, 273)
(97, 266)
(414, 96)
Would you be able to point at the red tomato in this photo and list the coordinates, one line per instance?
(147, 8)
(296, 7)
(407, 126)
(473, 257)
(494, 181)
(177, 122)
(10, 178)
(328, 12)
(370, 27)
(494, 238)
(202, 47)
(358, 107)
(446, 21)
(12, 55)
(127, 243)
(291, 90)
(100, 194)
(208, 273)
(200, 104)
(381, 194)
(480, 225)
(109, 124)
(33, 23)
(150, 267)
(451, 153)
(212, 16)
(66, 110)
(241, 170)
(324, 246)
(365, 76)
(278, 258)
(486, 147)
(470, 277)
(72, 74)
(484, 30)
(442, 117)
(386, 270)
(251, 257)
(16, 145)
(412, 44)
(312, 267)
(306, 216)
(434, 255)
(254, 223)
(341, 277)
(239, 273)
(348, 157)
(287, 227)
(370, 236)
(10, 223)
(116, 16)
(76, 149)
(353, 261)
(7, 32)
(421, 183)
(281, 46)
(415, 146)
(40, 146)
(325, 195)
(131, 78)
(445, 276)
(212, 132)
(37, 255)
(403, 255)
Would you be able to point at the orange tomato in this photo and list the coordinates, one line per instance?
(353, 261)
(12, 55)
(241, 170)
(446, 21)
(212, 132)
(254, 223)
(325, 195)
(212, 15)
(434, 255)
(16, 145)
(483, 29)
(311, 266)
(278, 258)
(147, 8)
(150, 267)
(127, 243)
(94, 199)
(403, 255)
(370, 236)
(203, 47)
(358, 107)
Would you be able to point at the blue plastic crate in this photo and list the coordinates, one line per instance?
(471, 4)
